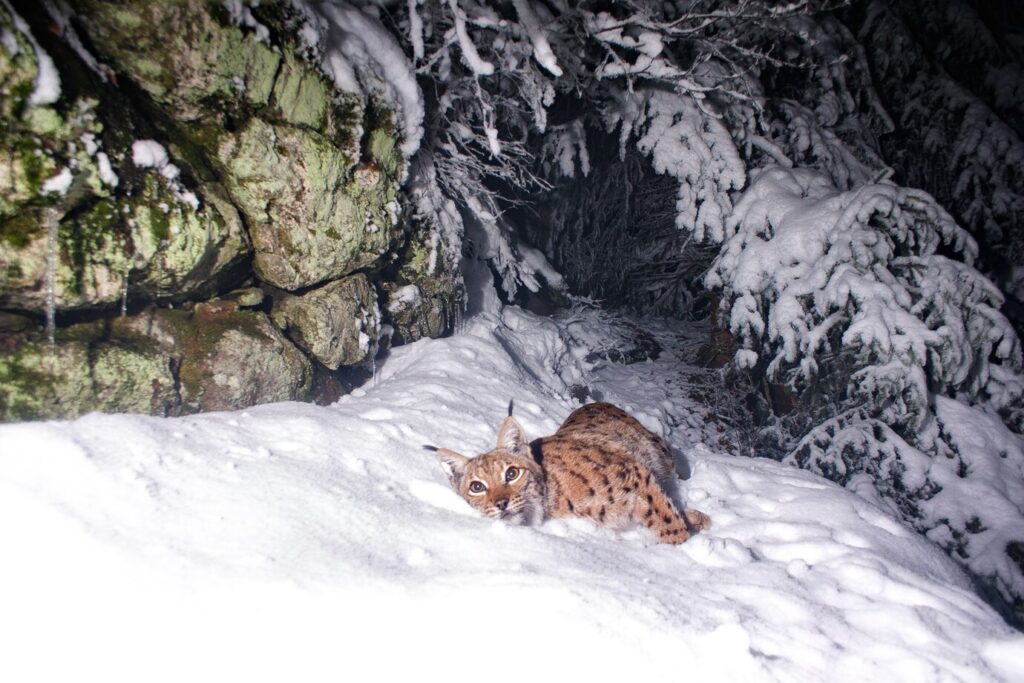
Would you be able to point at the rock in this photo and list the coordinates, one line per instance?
(181, 55)
(247, 297)
(151, 243)
(318, 204)
(309, 216)
(12, 322)
(226, 359)
(338, 324)
(426, 296)
(267, 174)
(118, 226)
(161, 362)
(75, 376)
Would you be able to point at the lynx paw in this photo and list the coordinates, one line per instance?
(696, 520)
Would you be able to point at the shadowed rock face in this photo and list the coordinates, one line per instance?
(260, 174)
(338, 324)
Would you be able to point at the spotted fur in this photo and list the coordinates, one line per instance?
(601, 464)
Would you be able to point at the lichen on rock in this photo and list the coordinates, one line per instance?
(226, 358)
(338, 324)
(311, 218)
(426, 297)
(284, 142)
(257, 172)
(82, 372)
(128, 230)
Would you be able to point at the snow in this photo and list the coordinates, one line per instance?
(811, 274)
(404, 297)
(47, 87)
(107, 174)
(60, 183)
(477, 64)
(541, 46)
(316, 543)
(148, 154)
(241, 15)
(415, 30)
(151, 154)
(687, 143)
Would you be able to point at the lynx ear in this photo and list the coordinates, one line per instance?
(454, 463)
(512, 438)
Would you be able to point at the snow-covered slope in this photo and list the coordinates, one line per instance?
(297, 542)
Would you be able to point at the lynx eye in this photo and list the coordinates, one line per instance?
(512, 473)
(477, 487)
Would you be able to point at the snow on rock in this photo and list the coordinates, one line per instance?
(404, 297)
(149, 154)
(242, 16)
(60, 183)
(47, 86)
(107, 173)
(360, 54)
(292, 541)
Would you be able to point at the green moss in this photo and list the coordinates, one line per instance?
(87, 239)
(382, 151)
(84, 371)
(159, 223)
(348, 113)
(19, 400)
(205, 137)
(43, 120)
(20, 93)
(127, 19)
(34, 164)
(20, 230)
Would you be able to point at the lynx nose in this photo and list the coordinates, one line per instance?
(502, 504)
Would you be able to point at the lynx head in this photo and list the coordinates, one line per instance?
(505, 483)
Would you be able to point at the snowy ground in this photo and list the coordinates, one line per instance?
(297, 542)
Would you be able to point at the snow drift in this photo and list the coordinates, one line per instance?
(314, 543)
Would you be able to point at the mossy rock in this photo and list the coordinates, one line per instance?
(318, 204)
(226, 359)
(313, 216)
(427, 295)
(181, 55)
(338, 324)
(152, 244)
(82, 372)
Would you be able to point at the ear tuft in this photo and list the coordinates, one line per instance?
(431, 448)
(510, 407)
(512, 438)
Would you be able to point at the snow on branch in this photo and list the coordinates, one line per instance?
(864, 305)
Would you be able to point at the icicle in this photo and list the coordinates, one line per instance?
(124, 293)
(51, 220)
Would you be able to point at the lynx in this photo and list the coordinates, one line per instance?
(601, 464)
